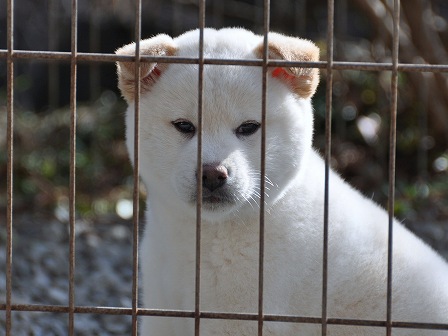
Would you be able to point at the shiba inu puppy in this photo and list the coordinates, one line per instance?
(294, 196)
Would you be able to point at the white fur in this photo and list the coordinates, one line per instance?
(294, 217)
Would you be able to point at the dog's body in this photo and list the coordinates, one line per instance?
(357, 250)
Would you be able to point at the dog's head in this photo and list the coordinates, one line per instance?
(231, 118)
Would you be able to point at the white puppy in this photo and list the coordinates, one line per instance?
(357, 265)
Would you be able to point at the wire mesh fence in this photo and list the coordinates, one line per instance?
(262, 15)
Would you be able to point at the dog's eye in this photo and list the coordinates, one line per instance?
(184, 126)
(247, 128)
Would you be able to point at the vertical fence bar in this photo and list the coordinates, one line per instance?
(197, 299)
(266, 24)
(8, 307)
(9, 140)
(72, 192)
(392, 159)
(328, 114)
(136, 171)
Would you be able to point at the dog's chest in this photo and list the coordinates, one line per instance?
(229, 268)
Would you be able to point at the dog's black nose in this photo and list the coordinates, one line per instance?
(214, 176)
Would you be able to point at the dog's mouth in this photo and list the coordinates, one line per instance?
(212, 199)
(215, 200)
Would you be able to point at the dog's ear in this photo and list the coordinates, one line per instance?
(303, 81)
(160, 45)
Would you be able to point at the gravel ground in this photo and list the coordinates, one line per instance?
(103, 272)
(103, 275)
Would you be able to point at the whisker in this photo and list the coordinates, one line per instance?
(268, 180)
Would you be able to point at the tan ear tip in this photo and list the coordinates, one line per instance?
(312, 50)
(127, 49)
(119, 51)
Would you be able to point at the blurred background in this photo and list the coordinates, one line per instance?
(361, 110)
(363, 30)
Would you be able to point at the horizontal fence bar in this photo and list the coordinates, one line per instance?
(219, 315)
(337, 65)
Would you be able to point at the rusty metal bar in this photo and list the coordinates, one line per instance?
(266, 27)
(392, 161)
(136, 168)
(219, 315)
(328, 114)
(197, 290)
(337, 65)
(10, 165)
(72, 187)
(330, 65)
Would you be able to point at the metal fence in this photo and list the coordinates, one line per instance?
(329, 65)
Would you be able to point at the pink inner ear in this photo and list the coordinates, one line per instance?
(282, 74)
(152, 77)
(156, 72)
